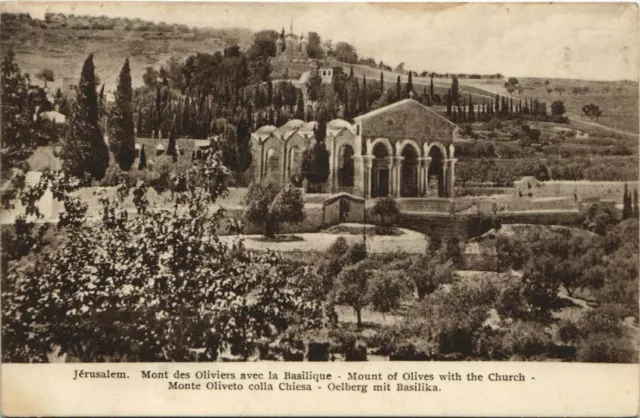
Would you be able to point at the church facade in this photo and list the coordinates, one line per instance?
(403, 150)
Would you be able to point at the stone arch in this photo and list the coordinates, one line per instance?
(346, 168)
(410, 142)
(384, 141)
(437, 144)
(272, 165)
(294, 162)
(436, 173)
(380, 175)
(409, 171)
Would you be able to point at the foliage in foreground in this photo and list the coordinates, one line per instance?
(153, 286)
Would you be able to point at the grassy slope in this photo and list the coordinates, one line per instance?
(618, 99)
(64, 50)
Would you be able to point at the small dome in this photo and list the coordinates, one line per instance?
(266, 129)
(292, 124)
(338, 123)
(308, 127)
(279, 41)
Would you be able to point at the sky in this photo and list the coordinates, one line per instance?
(568, 40)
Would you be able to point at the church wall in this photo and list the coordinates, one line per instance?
(283, 67)
(409, 122)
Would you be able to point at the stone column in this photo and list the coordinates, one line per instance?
(427, 162)
(398, 180)
(422, 184)
(285, 163)
(261, 165)
(332, 171)
(367, 161)
(445, 164)
(452, 177)
(392, 174)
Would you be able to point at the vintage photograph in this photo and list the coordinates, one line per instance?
(239, 182)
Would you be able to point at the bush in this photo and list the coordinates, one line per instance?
(167, 292)
(387, 210)
(267, 205)
(600, 348)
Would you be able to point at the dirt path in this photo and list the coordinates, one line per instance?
(574, 118)
(408, 242)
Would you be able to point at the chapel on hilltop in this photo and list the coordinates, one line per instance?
(291, 45)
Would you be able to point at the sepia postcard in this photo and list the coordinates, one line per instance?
(319, 209)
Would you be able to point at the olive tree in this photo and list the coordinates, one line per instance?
(269, 206)
(154, 286)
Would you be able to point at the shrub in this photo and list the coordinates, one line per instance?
(268, 206)
(353, 288)
(568, 332)
(166, 292)
(387, 210)
(600, 348)
(387, 291)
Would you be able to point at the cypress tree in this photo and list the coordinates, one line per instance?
(85, 149)
(471, 109)
(142, 164)
(511, 106)
(158, 110)
(121, 135)
(171, 148)
(636, 210)
(381, 83)
(410, 84)
(347, 108)
(300, 106)
(497, 105)
(449, 102)
(364, 106)
(627, 209)
(139, 123)
(431, 90)
(186, 114)
(269, 93)
(351, 72)
(398, 89)
(454, 89)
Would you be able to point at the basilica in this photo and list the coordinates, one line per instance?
(403, 150)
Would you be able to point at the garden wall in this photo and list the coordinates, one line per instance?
(424, 205)
(566, 218)
(583, 189)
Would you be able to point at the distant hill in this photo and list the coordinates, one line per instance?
(63, 45)
(62, 42)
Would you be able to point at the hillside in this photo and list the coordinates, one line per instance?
(618, 99)
(64, 49)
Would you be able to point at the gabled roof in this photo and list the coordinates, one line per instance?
(308, 127)
(266, 129)
(342, 195)
(264, 132)
(290, 125)
(400, 104)
(338, 123)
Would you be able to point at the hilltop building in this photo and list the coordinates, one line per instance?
(403, 150)
(291, 59)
